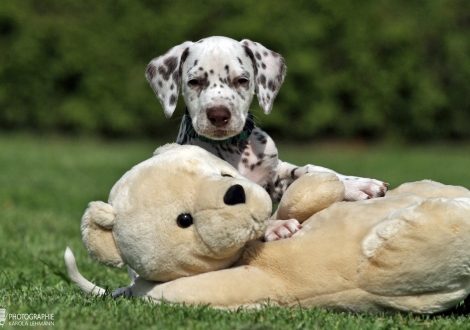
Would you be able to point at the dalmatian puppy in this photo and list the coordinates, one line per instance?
(219, 77)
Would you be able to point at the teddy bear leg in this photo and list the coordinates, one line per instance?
(417, 253)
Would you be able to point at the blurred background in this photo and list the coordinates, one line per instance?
(377, 70)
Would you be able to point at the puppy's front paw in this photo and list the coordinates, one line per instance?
(279, 229)
(357, 189)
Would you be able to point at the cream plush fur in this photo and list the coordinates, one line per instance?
(408, 251)
(138, 226)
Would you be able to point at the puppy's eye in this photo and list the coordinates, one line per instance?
(227, 175)
(193, 82)
(241, 82)
(184, 220)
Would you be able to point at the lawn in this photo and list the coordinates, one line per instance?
(46, 183)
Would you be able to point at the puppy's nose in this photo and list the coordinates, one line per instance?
(235, 195)
(218, 116)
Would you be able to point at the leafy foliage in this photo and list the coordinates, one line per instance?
(391, 68)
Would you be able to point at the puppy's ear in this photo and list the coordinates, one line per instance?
(270, 69)
(164, 75)
(97, 235)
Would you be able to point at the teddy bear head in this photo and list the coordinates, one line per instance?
(180, 213)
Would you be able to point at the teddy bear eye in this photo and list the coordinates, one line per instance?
(184, 220)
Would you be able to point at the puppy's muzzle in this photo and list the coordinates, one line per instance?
(219, 116)
(235, 195)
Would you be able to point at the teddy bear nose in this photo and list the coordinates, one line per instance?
(235, 195)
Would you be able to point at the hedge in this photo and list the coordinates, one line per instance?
(373, 69)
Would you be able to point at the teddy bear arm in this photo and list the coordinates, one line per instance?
(228, 288)
(309, 194)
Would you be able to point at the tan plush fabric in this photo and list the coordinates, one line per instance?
(139, 225)
(408, 251)
(315, 192)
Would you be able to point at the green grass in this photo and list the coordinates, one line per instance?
(46, 183)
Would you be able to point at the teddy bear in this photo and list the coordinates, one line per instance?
(189, 225)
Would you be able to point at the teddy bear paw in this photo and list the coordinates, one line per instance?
(280, 229)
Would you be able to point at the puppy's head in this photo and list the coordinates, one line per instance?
(182, 212)
(219, 77)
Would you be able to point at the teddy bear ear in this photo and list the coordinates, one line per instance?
(97, 235)
(165, 148)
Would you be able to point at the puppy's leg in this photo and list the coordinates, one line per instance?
(356, 188)
(279, 229)
(132, 275)
(125, 291)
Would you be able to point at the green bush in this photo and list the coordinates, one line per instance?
(372, 69)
